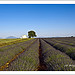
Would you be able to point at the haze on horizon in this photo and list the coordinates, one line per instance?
(47, 20)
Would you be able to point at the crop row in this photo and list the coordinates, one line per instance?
(5, 42)
(9, 52)
(56, 60)
(66, 41)
(69, 50)
(28, 60)
(15, 44)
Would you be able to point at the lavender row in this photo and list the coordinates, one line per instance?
(69, 50)
(66, 41)
(56, 60)
(28, 60)
(9, 53)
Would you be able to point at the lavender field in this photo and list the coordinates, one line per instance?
(38, 54)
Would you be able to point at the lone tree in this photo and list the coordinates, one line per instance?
(31, 34)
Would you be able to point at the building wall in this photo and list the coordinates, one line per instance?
(24, 36)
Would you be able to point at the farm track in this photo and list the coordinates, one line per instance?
(42, 66)
(6, 65)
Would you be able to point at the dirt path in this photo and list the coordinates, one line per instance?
(42, 66)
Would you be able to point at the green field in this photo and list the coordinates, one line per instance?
(5, 42)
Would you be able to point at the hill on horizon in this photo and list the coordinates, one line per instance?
(11, 37)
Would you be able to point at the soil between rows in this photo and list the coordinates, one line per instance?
(42, 66)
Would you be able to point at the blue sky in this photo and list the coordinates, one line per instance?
(47, 20)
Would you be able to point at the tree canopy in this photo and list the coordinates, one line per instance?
(31, 34)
